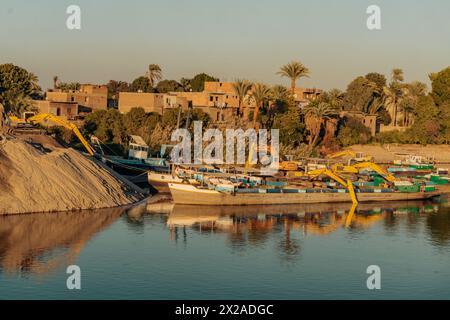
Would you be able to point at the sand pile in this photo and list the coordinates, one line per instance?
(46, 178)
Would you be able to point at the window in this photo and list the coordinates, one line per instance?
(211, 98)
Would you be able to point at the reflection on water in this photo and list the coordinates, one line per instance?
(251, 226)
(40, 243)
(148, 236)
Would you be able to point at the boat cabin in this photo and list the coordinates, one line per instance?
(412, 159)
(138, 149)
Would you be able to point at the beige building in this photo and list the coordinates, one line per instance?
(218, 100)
(150, 102)
(305, 95)
(94, 97)
(368, 120)
(65, 110)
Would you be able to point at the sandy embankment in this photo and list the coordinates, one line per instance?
(53, 178)
(389, 152)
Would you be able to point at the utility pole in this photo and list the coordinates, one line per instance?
(179, 117)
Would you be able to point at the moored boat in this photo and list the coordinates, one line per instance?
(160, 180)
(192, 174)
(195, 195)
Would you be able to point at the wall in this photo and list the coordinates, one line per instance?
(94, 101)
(65, 110)
(150, 102)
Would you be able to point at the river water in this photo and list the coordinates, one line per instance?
(161, 251)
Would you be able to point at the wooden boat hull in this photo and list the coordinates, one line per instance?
(188, 194)
(160, 181)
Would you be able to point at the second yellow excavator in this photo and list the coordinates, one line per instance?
(381, 171)
(43, 117)
(348, 184)
(355, 157)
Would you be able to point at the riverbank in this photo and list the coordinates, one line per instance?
(389, 152)
(39, 175)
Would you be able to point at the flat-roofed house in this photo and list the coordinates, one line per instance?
(65, 110)
(218, 100)
(93, 97)
(150, 102)
(368, 120)
(303, 96)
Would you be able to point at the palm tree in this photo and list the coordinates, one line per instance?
(279, 93)
(279, 96)
(260, 93)
(55, 82)
(394, 94)
(154, 74)
(413, 91)
(375, 103)
(335, 98)
(390, 102)
(397, 75)
(316, 117)
(294, 71)
(241, 88)
(186, 84)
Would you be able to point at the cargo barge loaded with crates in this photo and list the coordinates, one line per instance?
(240, 190)
(196, 195)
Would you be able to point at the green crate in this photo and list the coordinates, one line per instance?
(409, 189)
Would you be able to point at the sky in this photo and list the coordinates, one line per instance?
(229, 39)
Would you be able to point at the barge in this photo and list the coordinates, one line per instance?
(195, 195)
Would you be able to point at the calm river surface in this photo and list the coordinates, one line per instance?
(161, 251)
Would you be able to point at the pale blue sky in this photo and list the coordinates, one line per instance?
(229, 39)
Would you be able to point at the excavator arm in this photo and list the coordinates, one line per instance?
(381, 171)
(60, 122)
(329, 173)
(348, 184)
(342, 154)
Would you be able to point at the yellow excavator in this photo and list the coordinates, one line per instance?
(288, 165)
(21, 121)
(343, 169)
(354, 156)
(315, 173)
(348, 184)
(43, 117)
(381, 171)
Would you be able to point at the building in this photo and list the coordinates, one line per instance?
(94, 89)
(65, 110)
(91, 97)
(303, 96)
(368, 120)
(175, 101)
(218, 100)
(150, 102)
(222, 87)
